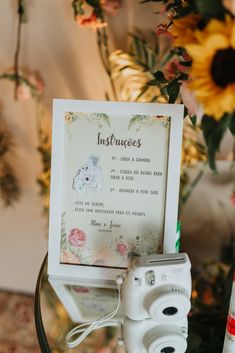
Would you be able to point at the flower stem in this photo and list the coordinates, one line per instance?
(21, 19)
(102, 42)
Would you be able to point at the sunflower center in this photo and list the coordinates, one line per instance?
(223, 67)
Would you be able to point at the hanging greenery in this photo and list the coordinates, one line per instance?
(9, 184)
(27, 85)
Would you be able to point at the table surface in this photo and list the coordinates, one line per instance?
(206, 332)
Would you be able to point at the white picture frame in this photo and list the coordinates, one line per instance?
(102, 275)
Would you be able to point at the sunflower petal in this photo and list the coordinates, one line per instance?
(217, 41)
(233, 36)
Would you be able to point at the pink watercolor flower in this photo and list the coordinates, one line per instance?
(81, 289)
(122, 248)
(77, 237)
(111, 6)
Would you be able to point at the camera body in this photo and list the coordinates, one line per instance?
(149, 336)
(158, 287)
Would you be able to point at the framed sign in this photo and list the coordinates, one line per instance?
(114, 185)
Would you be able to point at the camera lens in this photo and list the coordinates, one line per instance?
(167, 350)
(171, 310)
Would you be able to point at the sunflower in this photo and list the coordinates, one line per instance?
(183, 29)
(213, 67)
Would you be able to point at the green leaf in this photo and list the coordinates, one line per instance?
(211, 9)
(213, 132)
(173, 89)
(22, 11)
(153, 99)
(144, 89)
(182, 77)
(144, 54)
(159, 76)
(232, 124)
(186, 63)
(183, 11)
(166, 57)
(193, 120)
(93, 3)
(185, 111)
(152, 82)
(77, 6)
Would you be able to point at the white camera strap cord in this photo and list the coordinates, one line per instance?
(88, 327)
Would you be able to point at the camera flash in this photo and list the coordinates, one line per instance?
(150, 278)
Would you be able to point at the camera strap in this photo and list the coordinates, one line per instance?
(83, 330)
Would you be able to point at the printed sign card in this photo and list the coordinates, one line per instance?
(115, 172)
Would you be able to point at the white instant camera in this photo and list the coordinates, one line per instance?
(158, 287)
(148, 336)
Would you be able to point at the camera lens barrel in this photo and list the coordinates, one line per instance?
(166, 307)
(168, 350)
(170, 310)
(168, 343)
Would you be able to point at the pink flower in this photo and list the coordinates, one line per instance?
(36, 81)
(111, 6)
(77, 237)
(92, 22)
(24, 92)
(186, 57)
(162, 29)
(30, 84)
(173, 67)
(189, 100)
(122, 248)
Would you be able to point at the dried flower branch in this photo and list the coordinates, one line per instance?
(9, 185)
(21, 19)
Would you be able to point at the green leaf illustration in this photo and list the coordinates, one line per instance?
(137, 119)
(102, 117)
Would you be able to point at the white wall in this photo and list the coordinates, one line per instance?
(66, 56)
(208, 218)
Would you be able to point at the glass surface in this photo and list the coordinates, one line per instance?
(53, 323)
(205, 333)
